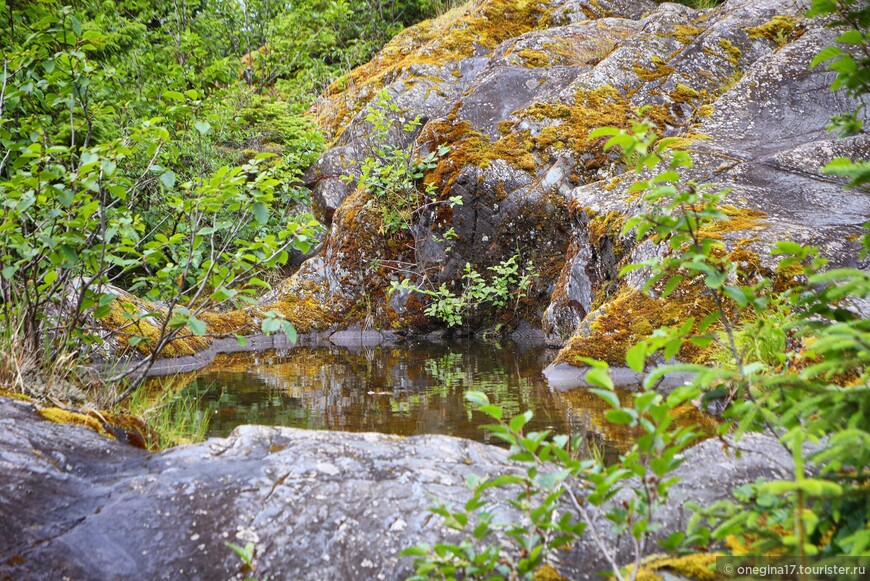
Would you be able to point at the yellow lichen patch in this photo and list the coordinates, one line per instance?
(562, 51)
(548, 573)
(687, 33)
(699, 567)
(600, 107)
(14, 395)
(62, 416)
(562, 126)
(678, 143)
(730, 52)
(660, 69)
(733, 52)
(705, 111)
(459, 33)
(778, 29)
(688, 95)
(739, 219)
(534, 58)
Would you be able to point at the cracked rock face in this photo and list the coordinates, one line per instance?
(317, 505)
(515, 106)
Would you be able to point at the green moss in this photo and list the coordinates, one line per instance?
(14, 395)
(705, 111)
(660, 70)
(534, 58)
(687, 33)
(739, 219)
(733, 52)
(128, 320)
(730, 52)
(778, 29)
(131, 429)
(548, 573)
(688, 95)
(609, 225)
(62, 416)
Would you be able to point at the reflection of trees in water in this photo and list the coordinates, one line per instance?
(401, 390)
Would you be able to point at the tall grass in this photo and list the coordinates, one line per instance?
(171, 412)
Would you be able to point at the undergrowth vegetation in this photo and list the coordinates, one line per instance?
(151, 174)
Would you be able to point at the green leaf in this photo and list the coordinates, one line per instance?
(202, 126)
(608, 396)
(635, 357)
(519, 421)
(825, 54)
(492, 411)
(167, 178)
(261, 212)
(851, 37)
(600, 377)
(620, 417)
(289, 331)
(476, 397)
(270, 325)
(603, 132)
(196, 326)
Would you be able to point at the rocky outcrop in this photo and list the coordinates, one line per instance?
(317, 505)
(513, 88)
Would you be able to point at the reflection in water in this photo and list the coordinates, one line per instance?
(407, 389)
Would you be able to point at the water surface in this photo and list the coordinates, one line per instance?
(407, 389)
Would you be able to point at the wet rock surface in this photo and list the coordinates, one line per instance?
(318, 505)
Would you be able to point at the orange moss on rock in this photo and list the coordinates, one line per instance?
(131, 318)
(631, 316)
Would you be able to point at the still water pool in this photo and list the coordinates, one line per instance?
(407, 389)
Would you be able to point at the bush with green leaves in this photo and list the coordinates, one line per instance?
(509, 283)
(85, 210)
(392, 174)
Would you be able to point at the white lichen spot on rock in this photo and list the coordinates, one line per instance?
(327, 468)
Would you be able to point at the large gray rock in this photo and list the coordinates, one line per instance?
(516, 114)
(318, 505)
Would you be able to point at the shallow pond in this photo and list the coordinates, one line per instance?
(406, 389)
